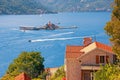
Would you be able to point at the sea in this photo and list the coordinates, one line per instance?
(50, 43)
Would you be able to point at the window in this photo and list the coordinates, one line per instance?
(102, 59)
(86, 76)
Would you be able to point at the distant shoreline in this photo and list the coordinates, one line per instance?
(30, 13)
(57, 12)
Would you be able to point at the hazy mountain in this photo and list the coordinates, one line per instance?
(77, 5)
(21, 7)
(49, 6)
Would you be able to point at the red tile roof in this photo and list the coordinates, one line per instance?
(73, 51)
(22, 76)
(64, 78)
(104, 47)
(73, 55)
(74, 48)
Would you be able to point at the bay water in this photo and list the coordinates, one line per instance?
(51, 43)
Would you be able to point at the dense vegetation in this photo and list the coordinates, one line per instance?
(28, 62)
(108, 72)
(21, 7)
(112, 72)
(59, 74)
(113, 28)
(51, 6)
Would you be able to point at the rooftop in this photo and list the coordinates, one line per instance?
(77, 51)
(22, 76)
(104, 47)
(73, 51)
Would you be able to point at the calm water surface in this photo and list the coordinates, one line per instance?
(13, 41)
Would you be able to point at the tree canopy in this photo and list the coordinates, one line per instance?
(108, 72)
(59, 74)
(113, 28)
(28, 62)
(112, 71)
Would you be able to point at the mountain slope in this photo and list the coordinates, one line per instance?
(21, 7)
(50, 6)
(77, 5)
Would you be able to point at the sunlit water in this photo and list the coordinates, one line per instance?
(50, 43)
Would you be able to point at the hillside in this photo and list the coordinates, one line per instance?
(21, 7)
(77, 5)
(50, 6)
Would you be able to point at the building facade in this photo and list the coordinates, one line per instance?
(82, 61)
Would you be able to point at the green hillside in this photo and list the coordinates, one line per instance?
(50, 6)
(77, 5)
(21, 7)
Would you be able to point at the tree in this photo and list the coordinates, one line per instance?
(108, 72)
(28, 62)
(7, 77)
(59, 74)
(113, 28)
(112, 72)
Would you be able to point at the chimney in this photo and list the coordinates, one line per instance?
(87, 41)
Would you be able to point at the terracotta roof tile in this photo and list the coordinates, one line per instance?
(22, 76)
(74, 48)
(73, 51)
(73, 55)
(104, 47)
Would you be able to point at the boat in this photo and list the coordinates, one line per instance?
(48, 26)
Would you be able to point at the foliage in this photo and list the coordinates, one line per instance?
(36, 79)
(108, 72)
(43, 75)
(59, 74)
(28, 62)
(112, 72)
(113, 28)
(7, 77)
